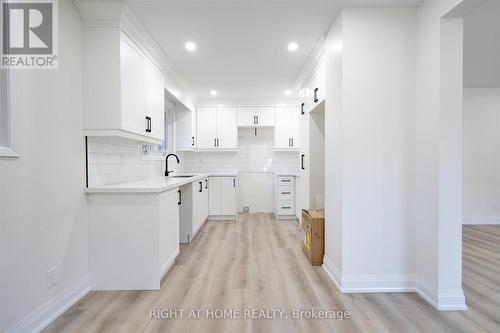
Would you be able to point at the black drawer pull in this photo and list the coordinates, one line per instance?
(180, 197)
(286, 207)
(286, 193)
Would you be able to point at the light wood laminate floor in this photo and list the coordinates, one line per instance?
(257, 263)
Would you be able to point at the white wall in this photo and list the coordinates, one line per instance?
(334, 220)
(376, 114)
(43, 207)
(481, 156)
(438, 179)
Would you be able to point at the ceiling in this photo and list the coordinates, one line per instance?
(241, 45)
(482, 47)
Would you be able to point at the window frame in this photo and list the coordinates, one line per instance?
(6, 150)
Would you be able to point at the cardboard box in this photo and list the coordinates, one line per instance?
(313, 235)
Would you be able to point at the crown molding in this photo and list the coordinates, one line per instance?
(316, 57)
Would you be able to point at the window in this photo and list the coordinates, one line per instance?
(168, 127)
(5, 148)
(4, 110)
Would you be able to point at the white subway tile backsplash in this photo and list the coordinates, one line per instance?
(116, 160)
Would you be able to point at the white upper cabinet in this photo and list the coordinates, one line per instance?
(217, 128)
(313, 92)
(286, 129)
(246, 116)
(132, 88)
(123, 92)
(155, 100)
(265, 115)
(227, 128)
(259, 116)
(206, 131)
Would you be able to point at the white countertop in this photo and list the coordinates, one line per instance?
(153, 185)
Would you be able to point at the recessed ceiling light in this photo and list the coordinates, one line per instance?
(292, 47)
(288, 92)
(190, 46)
(213, 92)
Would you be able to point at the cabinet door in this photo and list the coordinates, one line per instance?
(214, 195)
(155, 100)
(206, 129)
(132, 88)
(198, 207)
(227, 128)
(265, 115)
(282, 128)
(246, 116)
(228, 200)
(168, 228)
(318, 86)
(204, 200)
(294, 126)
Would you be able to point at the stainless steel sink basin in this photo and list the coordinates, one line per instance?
(182, 176)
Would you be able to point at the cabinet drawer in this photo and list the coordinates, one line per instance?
(285, 208)
(285, 193)
(285, 181)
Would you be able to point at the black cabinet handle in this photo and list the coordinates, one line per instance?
(316, 95)
(302, 161)
(285, 207)
(234, 182)
(302, 108)
(206, 183)
(201, 187)
(257, 119)
(192, 143)
(180, 197)
(148, 124)
(289, 143)
(292, 141)
(285, 193)
(215, 142)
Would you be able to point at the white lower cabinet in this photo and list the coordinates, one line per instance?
(222, 196)
(193, 201)
(285, 197)
(133, 239)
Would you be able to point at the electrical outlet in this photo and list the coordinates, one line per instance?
(51, 278)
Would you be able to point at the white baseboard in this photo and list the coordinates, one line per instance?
(394, 283)
(442, 300)
(481, 220)
(168, 264)
(377, 283)
(49, 311)
(332, 271)
(222, 217)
